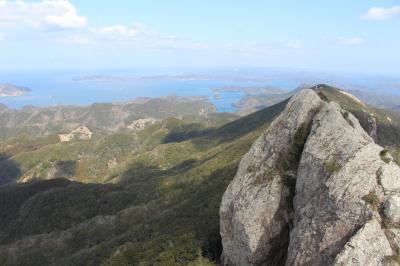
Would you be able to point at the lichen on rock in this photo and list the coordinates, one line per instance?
(328, 194)
(256, 216)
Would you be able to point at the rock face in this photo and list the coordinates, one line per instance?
(392, 210)
(369, 246)
(255, 212)
(141, 124)
(80, 133)
(314, 189)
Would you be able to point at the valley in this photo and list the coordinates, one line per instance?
(171, 171)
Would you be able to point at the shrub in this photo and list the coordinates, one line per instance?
(200, 261)
(389, 260)
(289, 159)
(346, 116)
(384, 154)
(332, 167)
(301, 135)
(372, 199)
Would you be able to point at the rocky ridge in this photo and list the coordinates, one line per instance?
(314, 189)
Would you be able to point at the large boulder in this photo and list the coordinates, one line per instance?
(256, 210)
(314, 189)
(337, 190)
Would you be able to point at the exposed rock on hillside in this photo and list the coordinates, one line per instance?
(313, 190)
(255, 211)
(80, 133)
(141, 124)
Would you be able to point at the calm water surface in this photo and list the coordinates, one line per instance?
(54, 88)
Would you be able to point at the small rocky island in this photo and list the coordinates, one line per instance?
(10, 90)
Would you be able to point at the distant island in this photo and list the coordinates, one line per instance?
(9, 90)
(184, 77)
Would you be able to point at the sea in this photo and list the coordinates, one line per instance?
(85, 87)
(49, 88)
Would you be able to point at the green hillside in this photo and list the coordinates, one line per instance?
(162, 205)
(99, 117)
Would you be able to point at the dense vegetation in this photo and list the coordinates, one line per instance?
(161, 207)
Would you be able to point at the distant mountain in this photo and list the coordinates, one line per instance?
(9, 90)
(257, 99)
(251, 103)
(379, 100)
(42, 121)
(249, 90)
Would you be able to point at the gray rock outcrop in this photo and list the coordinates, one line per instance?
(80, 133)
(254, 215)
(369, 246)
(392, 209)
(314, 189)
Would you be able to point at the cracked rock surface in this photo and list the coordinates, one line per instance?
(313, 190)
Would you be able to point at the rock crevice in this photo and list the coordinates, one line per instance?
(313, 190)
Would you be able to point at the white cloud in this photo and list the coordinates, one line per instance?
(48, 14)
(296, 44)
(247, 49)
(137, 35)
(350, 41)
(74, 39)
(261, 49)
(122, 33)
(347, 40)
(378, 13)
(54, 16)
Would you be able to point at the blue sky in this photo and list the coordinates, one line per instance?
(340, 35)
